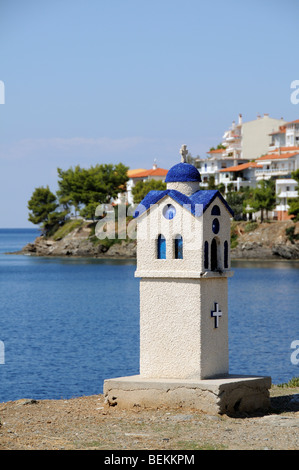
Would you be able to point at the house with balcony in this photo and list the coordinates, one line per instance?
(251, 139)
(285, 189)
(240, 176)
(286, 136)
(212, 165)
(242, 143)
(279, 164)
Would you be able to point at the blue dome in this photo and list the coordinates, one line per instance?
(182, 172)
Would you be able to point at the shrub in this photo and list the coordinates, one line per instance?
(250, 226)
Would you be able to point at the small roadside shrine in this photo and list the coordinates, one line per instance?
(183, 262)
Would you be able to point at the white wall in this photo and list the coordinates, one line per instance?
(256, 138)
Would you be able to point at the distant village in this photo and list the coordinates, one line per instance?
(250, 151)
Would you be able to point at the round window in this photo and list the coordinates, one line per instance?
(215, 226)
(169, 211)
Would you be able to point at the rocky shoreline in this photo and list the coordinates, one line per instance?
(266, 241)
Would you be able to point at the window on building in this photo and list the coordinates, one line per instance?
(215, 226)
(214, 255)
(206, 255)
(178, 247)
(169, 211)
(161, 247)
(225, 254)
(215, 210)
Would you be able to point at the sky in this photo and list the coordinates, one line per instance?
(97, 81)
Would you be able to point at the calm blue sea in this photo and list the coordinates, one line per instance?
(68, 324)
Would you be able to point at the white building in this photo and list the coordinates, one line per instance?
(286, 136)
(214, 163)
(251, 139)
(285, 189)
(240, 176)
(243, 142)
(141, 174)
(279, 164)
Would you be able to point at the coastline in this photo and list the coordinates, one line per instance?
(249, 241)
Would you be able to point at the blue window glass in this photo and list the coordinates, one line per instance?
(225, 254)
(178, 247)
(206, 255)
(216, 210)
(161, 247)
(215, 226)
(169, 211)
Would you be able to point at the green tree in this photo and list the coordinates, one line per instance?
(294, 202)
(219, 146)
(70, 186)
(263, 197)
(235, 200)
(42, 206)
(84, 189)
(141, 188)
(221, 188)
(211, 182)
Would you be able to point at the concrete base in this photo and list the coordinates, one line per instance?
(228, 395)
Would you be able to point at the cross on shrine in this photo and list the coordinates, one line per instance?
(216, 314)
(184, 153)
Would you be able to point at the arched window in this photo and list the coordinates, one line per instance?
(225, 254)
(214, 257)
(206, 255)
(178, 247)
(215, 226)
(216, 210)
(161, 247)
(169, 211)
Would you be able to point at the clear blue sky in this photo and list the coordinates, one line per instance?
(100, 81)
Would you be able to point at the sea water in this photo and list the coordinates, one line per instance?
(67, 324)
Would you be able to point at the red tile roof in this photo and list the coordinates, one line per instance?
(281, 130)
(277, 156)
(285, 149)
(142, 173)
(216, 151)
(241, 167)
(293, 122)
(135, 173)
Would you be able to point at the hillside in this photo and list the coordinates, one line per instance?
(274, 240)
(250, 240)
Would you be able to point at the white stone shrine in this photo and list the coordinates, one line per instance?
(183, 262)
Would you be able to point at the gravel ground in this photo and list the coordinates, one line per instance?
(85, 423)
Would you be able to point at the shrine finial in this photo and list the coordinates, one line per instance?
(184, 153)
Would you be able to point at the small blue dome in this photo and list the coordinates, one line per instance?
(182, 172)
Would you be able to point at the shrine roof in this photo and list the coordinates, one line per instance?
(202, 198)
(183, 172)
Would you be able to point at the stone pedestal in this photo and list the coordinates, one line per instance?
(229, 395)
